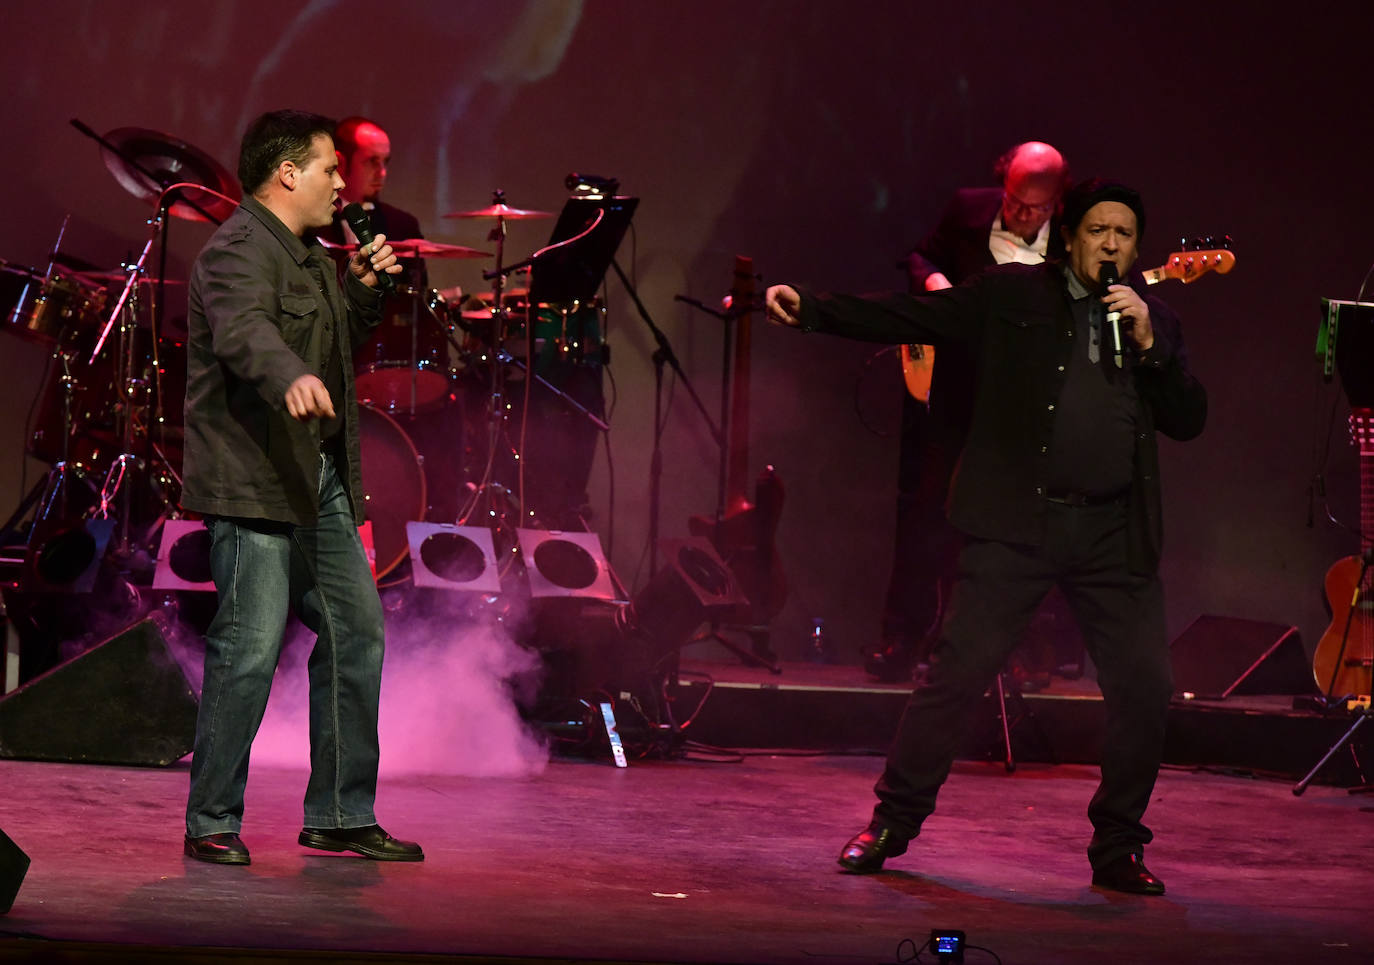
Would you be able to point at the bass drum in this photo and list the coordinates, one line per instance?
(403, 368)
(394, 489)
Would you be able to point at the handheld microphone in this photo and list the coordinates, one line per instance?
(356, 216)
(1107, 276)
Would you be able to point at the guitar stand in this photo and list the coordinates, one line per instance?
(1329, 699)
(1362, 715)
(1005, 696)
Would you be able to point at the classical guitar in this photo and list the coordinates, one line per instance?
(1343, 662)
(1186, 265)
(745, 534)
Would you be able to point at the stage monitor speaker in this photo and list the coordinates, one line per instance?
(1215, 657)
(124, 701)
(694, 585)
(14, 864)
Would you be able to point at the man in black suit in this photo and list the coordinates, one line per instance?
(980, 228)
(1058, 486)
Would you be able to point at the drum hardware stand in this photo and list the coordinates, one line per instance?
(116, 485)
(500, 358)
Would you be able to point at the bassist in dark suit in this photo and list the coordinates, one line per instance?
(980, 228)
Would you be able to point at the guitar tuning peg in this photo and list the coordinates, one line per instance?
(1198, 243)
(1209, 241)
(1226, 242)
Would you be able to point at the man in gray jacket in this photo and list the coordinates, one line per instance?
(272, 461)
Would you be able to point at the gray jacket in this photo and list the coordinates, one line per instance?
(259, 319)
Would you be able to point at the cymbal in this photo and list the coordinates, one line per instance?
(65, 260)
(500, 210)
(24, 271)
(170, 161)
(416, 248)
(423, 248)
(96, 277)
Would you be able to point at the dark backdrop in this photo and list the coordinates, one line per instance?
(822, 139)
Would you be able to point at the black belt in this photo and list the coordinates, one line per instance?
(1067, 497)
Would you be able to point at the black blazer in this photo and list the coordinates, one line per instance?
(1018, 327)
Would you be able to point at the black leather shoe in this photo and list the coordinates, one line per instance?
(1129, 874)
(867, 850)
(222, 848)
(370, 842)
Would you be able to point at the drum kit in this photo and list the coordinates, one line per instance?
(434, 380)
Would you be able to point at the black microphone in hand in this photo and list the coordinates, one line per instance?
(1107, 276)
(356, 216)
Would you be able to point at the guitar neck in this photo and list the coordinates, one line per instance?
(1362, 428)
(1189, 266)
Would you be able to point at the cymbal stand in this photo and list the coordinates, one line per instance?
(51, 493)
(125, 311)
(485, 486)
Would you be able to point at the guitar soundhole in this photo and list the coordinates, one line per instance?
(703, 570)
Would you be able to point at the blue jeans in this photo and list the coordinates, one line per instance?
(263, 570)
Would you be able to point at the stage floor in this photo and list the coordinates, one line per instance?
(686, 861)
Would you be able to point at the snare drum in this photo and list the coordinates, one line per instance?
(403, 368)
(44, 309)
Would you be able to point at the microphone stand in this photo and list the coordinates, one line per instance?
(727, 319)
(665, 354)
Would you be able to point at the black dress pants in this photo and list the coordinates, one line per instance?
(924, 543)
(997, 589)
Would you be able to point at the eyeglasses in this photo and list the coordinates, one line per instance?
(1017, 206)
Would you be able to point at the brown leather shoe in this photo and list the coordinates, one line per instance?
(222, 848)
(370, 842)
(867, 850)
(1129, 874)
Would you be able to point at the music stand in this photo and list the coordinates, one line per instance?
(580, 250)
(1346, 337)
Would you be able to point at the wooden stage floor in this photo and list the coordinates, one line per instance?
(685, 861)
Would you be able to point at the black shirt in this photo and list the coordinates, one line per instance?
(1092, 447)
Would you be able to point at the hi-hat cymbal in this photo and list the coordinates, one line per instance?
(500, 210)
(169, 161)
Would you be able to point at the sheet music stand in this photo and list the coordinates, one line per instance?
(570, 268)
(1346, 339)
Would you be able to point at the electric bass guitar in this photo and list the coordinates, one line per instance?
(1343, 662)
(745, 534)
(1186, 265)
